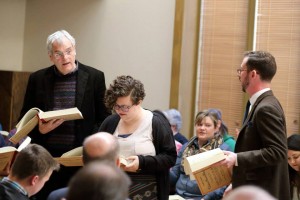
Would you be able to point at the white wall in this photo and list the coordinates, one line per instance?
(131, 37)
(12, 21)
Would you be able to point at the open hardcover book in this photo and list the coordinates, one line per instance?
(8, 153)
(201, 167)
(71, 158)
(31, 119)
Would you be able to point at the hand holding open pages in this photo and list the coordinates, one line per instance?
(208, 175)
(31, 119)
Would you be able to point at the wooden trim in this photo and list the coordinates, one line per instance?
(176, 57)
(195, 67)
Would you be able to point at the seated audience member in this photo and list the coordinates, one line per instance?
(208, 137)
(99, 180)
(32, 167)
(229, 140)
(293, 143)
(100, 146)
(174, 118)
(248, 192)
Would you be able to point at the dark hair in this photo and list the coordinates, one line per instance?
(33, 160)
(223, 127)
(123, 86)
(293, 143)
(263, 62)
(99, 180)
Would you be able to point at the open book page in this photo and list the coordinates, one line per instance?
(4, 133)
(124, 161)
(6, 156)
(175, 197)
(71, 158)
(66, 114)
(25, 125)
(31, 119)
(8, 153)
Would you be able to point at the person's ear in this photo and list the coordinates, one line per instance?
(34, 179)
(118, 162)
(219, 124)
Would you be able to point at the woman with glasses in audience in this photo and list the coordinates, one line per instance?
(208, 137)
(294, 165)
(145, 138)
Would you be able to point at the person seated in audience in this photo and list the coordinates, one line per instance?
(30, 170)
(208, 137)
(293, 143)
(249, 192)
(100, 146)
(99, 180)
(229, 140)
(175, 120)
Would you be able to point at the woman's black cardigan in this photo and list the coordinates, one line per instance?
(164, 146)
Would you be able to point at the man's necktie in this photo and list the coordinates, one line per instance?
(247, 110)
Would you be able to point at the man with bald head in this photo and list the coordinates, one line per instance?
(100, 146)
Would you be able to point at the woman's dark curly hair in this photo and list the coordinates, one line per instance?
(123, 86)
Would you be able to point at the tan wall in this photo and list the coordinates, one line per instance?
(12, 21)
(132, 37)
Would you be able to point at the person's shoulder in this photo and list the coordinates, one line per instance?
(43, 71)
(88, 69)
(58, 194)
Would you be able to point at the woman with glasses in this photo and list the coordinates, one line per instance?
(294, 165)
(145, 138)
(208, 137)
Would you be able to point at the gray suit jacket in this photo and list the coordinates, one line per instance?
(261, 148)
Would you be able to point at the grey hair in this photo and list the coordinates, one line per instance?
(57, 36)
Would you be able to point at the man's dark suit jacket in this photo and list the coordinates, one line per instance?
(89, 99)
(261, 148)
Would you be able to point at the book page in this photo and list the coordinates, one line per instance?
(212, 178)
(71, 158)
(66, 114)
(24, 143)
(175, 197)
(70, 161)
(24, 130)
(6, 156)
(74, 152)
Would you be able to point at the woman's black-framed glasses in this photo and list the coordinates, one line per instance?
(124, 108)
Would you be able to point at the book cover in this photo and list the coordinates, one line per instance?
(201, 167)
(31, 119)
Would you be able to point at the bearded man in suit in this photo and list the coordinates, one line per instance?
(260, 156)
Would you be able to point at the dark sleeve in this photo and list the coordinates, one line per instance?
(164, 146)
(175, 170)
(110, 124)
(101, 112)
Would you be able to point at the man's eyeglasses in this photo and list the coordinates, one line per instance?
(124, 108)
(239, 71)
(59, 54)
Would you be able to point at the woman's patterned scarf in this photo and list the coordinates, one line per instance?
(192, 147)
